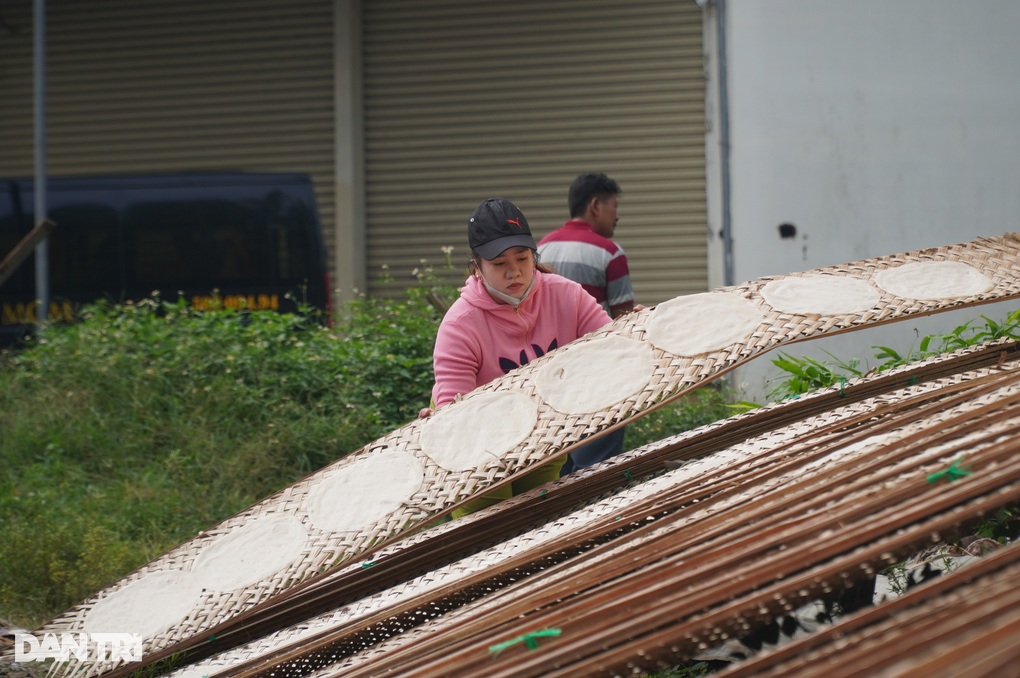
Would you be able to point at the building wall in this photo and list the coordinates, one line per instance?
(465, 100)
(873, 127)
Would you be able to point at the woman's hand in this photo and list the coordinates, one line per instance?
(425, 413)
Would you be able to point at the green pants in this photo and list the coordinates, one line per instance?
(545, 473)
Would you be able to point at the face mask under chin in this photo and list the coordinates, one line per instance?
(503, 296)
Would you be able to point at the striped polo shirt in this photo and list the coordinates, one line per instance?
(577, 252)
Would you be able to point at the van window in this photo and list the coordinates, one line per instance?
(12, 229)
(201, 243)
(245, 240)
(85, 257)
(291, 240)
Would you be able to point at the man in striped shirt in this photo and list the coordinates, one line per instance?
(582, 249)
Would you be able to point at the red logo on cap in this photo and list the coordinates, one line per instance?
(515, 222)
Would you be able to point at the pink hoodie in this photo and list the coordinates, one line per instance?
(481, 339)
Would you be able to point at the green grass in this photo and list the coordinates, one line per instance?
(127, 433)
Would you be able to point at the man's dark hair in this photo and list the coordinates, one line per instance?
(586, 187)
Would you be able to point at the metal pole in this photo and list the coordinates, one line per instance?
(724, 142)
(42, 269)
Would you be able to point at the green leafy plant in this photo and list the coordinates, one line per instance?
(806, 374)
(962, 336)
(688, 412)
(433, 285)
(1004, 527)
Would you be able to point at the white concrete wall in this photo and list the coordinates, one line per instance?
(874, 127)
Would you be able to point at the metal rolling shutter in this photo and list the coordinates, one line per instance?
(186, 85)
(464, 100)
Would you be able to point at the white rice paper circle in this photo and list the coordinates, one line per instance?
(701, 323)
(478, 430)
(146, 606)
(820, 294)
(250, 552)
(361, 494)
(593, 375)
(933, 280)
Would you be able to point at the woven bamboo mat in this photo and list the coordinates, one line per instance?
(205, 607)
(395, 612)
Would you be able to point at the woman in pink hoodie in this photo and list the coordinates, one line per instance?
(510, 311)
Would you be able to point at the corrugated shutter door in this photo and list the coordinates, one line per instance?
(465, 100)
(171, 86)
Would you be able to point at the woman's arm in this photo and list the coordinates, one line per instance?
(455, 363)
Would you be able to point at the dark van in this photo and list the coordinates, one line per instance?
(245, 240)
